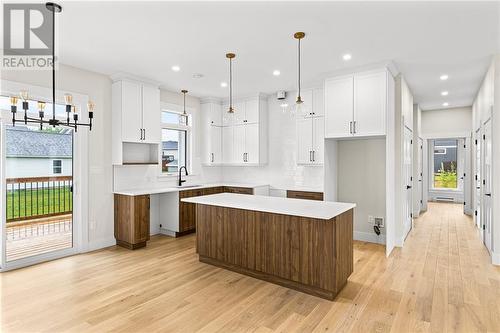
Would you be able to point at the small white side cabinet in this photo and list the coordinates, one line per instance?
(136, 114)
(356, 104)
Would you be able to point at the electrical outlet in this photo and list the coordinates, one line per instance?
(379, 221)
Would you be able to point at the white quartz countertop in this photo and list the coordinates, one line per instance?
(159, 190)
(296, 207)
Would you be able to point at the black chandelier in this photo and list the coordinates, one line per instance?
(54, 8)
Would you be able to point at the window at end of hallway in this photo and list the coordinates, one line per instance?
(445, 164)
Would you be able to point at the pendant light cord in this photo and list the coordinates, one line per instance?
(230, 84)
(299, 66)
(54, 65)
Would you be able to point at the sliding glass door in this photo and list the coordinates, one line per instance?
(38, 168)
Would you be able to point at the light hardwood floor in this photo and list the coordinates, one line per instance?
(441, 281)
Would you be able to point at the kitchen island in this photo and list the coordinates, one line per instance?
(300, 244)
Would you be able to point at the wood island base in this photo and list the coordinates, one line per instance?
(311, 255)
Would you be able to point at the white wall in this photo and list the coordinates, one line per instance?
(361, 179)
(451, 121)
(282, 170)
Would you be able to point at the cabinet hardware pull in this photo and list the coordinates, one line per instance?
(212, 157)
(141, 135)
(310, 156)
(350, 127)
(246, 157)
(144, 134)
(354, 127)
(314, 157)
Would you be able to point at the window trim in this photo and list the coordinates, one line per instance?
(431, 165)
(178, 109)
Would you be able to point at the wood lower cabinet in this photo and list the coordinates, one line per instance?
(238, 190)
(187, 211)
(304, 195)
(132, 220)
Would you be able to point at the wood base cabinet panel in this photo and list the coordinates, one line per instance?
(187, 211)
(132, 220)
(305, 195)
(310, 255)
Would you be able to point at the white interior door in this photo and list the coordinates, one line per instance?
(487, 172)
(477, 181)
(407, 181)
(420, 174)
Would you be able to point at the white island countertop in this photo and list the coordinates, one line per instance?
(324, 210)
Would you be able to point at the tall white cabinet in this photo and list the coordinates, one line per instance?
(136, 113)
(356, 104)
(311, 130)
(240, 140)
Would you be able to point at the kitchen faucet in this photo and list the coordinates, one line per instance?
(180, 174)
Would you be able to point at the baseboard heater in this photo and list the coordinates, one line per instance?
(447, 199)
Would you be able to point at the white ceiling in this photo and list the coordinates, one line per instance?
(146, 38)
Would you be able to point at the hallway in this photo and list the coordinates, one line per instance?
(442, 281)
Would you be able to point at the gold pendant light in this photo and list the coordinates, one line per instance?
(298, 103)
(230, 111)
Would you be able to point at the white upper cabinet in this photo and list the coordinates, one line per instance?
(406, 105)
(228, 156)
(211, 127)
(136, 115)
(244, 139)
(370, 103)
(308, 103)
(137, 106)
(356, 104)
(339, 106)
(304, 140)
(129, 96)
(318, 140)
(151, 114)
(311, 130)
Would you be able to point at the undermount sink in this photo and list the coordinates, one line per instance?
(187, 186)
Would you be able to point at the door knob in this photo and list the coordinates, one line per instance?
(408, 187)
(488, 194)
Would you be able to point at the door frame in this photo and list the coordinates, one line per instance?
(487, 122)
(80, 176)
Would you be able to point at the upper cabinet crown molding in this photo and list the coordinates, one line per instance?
(356, 104)
(245, 97)
(122, 76)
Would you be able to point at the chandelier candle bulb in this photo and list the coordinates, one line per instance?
(13, 104)
(24, 96)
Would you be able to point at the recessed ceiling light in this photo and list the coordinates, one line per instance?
(197, 76)
(444, 93)
(445, 104)
(276, 72)
(443, 77)
(176, 68)
(223, 84)
(347, 57)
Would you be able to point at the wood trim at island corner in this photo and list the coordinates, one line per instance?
(314, 256)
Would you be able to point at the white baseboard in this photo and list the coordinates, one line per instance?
(100, 244)
(369, 237)
(495, 258)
